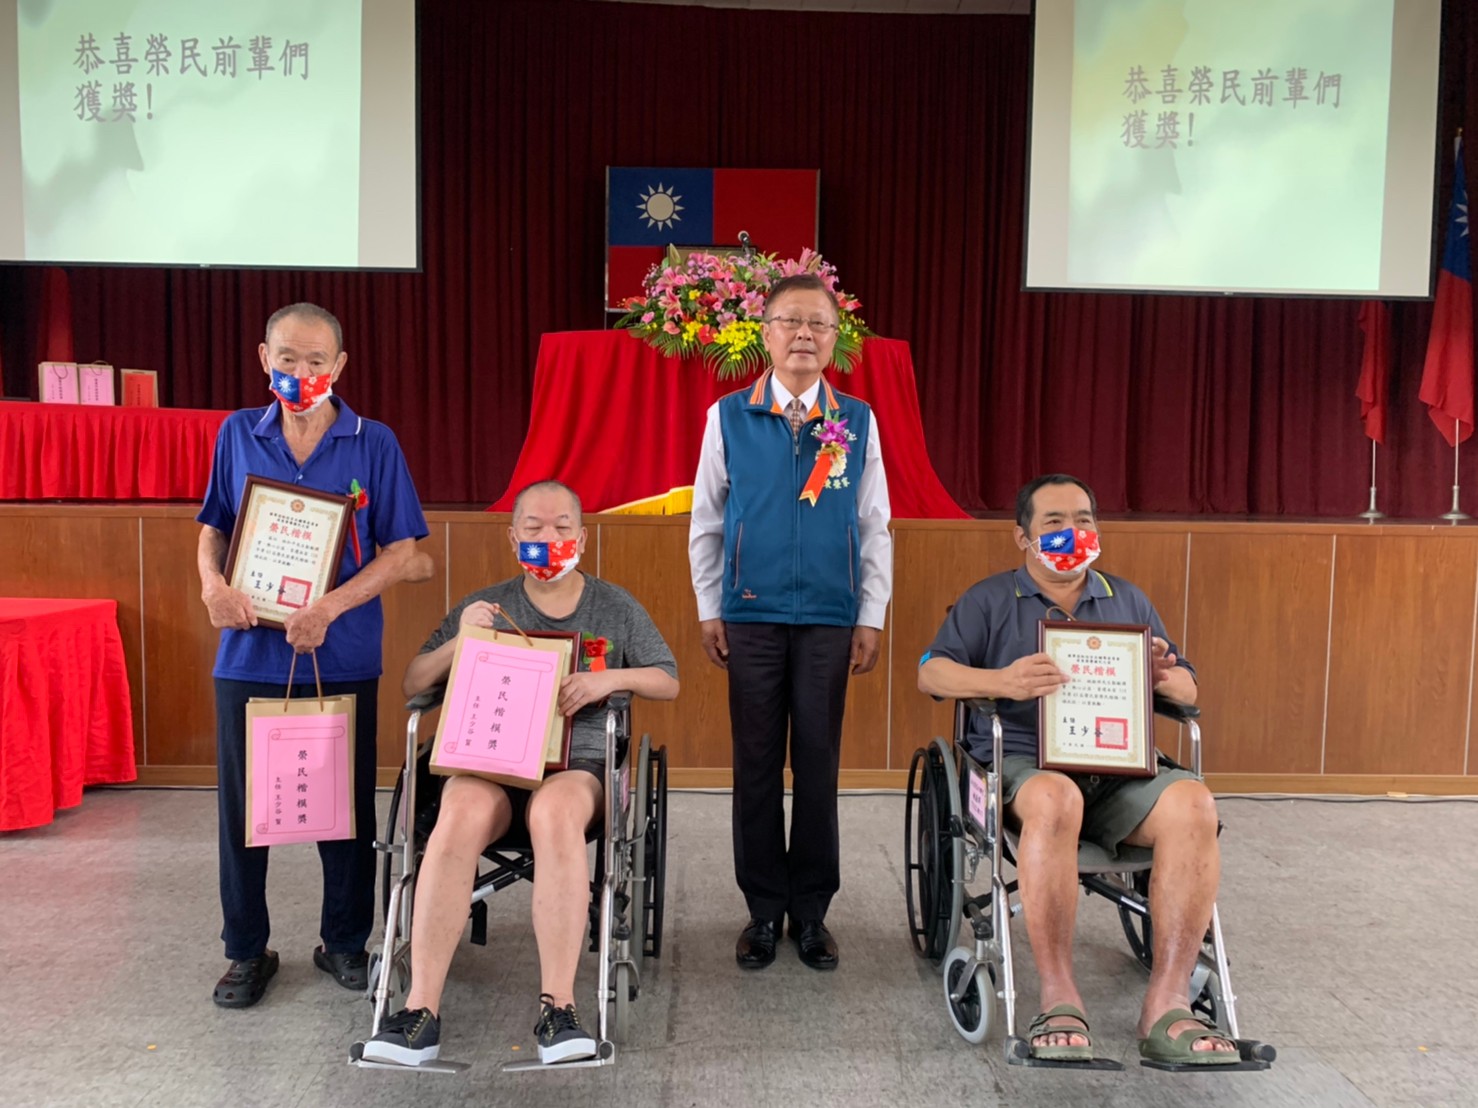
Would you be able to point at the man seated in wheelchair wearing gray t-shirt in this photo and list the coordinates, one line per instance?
(550, 595)
(987, 647)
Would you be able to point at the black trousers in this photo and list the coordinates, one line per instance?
(787, 681)
(348, 913)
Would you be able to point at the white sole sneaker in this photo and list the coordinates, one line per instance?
(567, 1051)
(376, 1051)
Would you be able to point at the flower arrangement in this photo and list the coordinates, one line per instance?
(714, 306)
(595, 651)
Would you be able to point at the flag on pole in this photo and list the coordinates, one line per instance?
(1447, 378)
(1375, 368)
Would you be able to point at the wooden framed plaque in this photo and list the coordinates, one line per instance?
(1100, 721)
(286, 546)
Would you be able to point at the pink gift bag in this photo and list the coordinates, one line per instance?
(500, 718)
(299, 768)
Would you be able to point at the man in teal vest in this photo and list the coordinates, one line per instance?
(792, 566)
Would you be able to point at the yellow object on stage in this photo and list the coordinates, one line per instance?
(673, 502)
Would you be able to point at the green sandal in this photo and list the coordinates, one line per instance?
(1160, 1046)
(1049, 1053)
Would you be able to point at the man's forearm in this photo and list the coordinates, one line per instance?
(947, 678)
(429, 669)
(210, 556)
(648, 682)
(1179, 686)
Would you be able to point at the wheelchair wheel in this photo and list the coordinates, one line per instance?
(933, 882)
(623, 990)
(974, 1013)
(1137, 928)
(654, 899)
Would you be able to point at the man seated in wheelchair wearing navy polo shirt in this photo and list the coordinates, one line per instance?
(550, 595)
(987, 647)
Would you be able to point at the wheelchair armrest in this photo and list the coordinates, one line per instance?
(1175, 710)
(618, 701)
(982, 704)
(424, 701)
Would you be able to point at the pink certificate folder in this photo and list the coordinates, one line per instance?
(299, 779)
(497, 716)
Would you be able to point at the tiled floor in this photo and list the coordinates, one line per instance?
(1350, 926)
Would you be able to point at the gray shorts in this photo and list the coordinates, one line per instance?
(1113, 805)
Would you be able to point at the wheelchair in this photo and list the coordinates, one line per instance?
(627, 890)
(954, 820)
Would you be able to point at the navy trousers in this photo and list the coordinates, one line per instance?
(348, 913)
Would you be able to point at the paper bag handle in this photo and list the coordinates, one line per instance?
(318, 681)
(498, 610)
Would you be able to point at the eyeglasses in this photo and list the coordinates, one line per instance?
(816, 326)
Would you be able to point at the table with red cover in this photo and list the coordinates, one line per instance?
(621, 424)
(103, 452)
(66, 718)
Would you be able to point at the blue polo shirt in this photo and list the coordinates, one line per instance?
(995, 622)
(250, 443)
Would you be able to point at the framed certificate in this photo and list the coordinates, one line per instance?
(286, 546)
(1100, 721)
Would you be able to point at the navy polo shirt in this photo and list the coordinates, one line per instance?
(995, 623)
(250, 443)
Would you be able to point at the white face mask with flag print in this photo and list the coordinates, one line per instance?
(1068, 550)
(549, 561)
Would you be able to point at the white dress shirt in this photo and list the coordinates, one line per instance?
(711, 489)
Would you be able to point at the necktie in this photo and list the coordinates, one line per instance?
(797, 415)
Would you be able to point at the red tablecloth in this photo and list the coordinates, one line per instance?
(618, 422)
(66, 719)
(91, 452)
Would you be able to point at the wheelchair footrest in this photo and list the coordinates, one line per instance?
(605, 1055)
(438, 1065)
(1253, 1055)
(1019, 1053)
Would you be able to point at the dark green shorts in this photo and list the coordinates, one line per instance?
(1113, 805)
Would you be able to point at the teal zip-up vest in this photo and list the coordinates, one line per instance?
(787, 560)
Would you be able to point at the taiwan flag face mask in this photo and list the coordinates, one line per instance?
(549, 561)
(301, 394)
(1066, 551)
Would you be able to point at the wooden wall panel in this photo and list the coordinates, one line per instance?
(478, 553)
(1259, 625)
(1255, 616)
(76, 553)
(932, 565)
(1400, 653)
(649, 558)
(179, 648)
(411, 613)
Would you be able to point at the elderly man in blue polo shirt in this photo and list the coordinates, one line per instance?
(310, 438)
(987, 647)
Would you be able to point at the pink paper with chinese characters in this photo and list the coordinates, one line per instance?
(299, 769)
(500, 706)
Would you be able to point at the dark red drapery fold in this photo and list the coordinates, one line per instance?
(918, 125)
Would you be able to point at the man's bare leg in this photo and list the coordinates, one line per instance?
(473, 813)
(1181, 830)
(559, 813)
(1049, 808)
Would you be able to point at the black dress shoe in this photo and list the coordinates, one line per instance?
(756, 946)
(818, 948)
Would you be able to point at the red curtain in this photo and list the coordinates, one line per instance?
(919, 127)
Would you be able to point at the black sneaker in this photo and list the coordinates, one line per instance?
(561, 1038)
(408, 1038)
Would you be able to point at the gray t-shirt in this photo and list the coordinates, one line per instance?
(605, 611)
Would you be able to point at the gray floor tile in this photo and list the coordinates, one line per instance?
(1346, 955)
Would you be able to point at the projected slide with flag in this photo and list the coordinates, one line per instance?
(650, 209)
